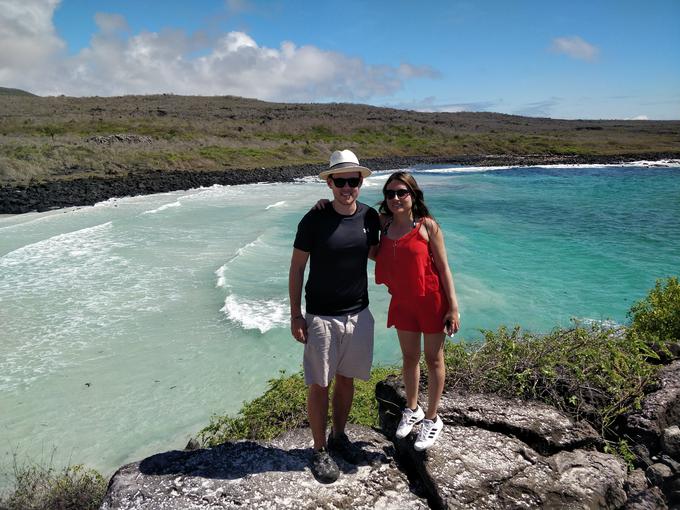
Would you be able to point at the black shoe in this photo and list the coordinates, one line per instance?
(342, 446)
(323, 467)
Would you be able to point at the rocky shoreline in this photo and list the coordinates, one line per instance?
(88, 191)
(494, 453)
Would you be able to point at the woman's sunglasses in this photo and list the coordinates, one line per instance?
(391, 193)
(341, 181)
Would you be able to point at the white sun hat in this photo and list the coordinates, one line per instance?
(343, 162)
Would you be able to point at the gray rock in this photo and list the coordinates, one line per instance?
(659, 411)
(640, 495)
(671, 463)
(505, 453)
(473, 468)
(544, 428)
(250, 474)
(658, 474)
(670, 440)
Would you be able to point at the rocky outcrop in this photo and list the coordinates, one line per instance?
(654, 433)
(119, 138)
(253, 475)
(501, 453)
(494, 453)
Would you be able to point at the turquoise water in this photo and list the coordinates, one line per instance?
(127, 324)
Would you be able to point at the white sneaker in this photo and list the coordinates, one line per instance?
(408, 419)
(429, 432)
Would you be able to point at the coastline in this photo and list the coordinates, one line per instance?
(88, 191)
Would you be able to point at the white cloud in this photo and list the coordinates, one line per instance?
(639, 117)
(575, 47)
(110, 23)
(409, 71)
(117, 62)
(27, 35)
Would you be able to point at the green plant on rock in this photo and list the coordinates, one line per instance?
(283, 407)
(656, 318)
(43, 488)
(591, 373)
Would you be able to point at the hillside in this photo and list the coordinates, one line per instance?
(4, 91)
(57, 138)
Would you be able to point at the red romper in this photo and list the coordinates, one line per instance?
(407, 268)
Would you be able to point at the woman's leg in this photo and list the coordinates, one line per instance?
(410, 353)
(434, 357)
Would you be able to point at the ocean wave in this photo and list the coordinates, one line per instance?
(277, 204)
(662, 163)
(22, 220)
(260, 314)
(221, 272)
(78, 243)
(162, 208)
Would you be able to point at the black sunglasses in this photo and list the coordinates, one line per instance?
(391, 193)
(341, 181)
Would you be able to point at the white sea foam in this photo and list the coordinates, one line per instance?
(666, 163)
(162, 208)
(605, 324)
(277, 204)
(76, 243)
(260, 314)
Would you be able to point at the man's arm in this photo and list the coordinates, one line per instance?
(296, 275)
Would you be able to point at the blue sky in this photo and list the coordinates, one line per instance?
(575, 59)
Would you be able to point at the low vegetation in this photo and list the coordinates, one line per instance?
(283, 407)
(592, 373)
(40, 487)
(46, 138)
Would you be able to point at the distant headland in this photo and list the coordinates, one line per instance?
(65, 151)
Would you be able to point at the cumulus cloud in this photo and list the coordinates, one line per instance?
(27, 35)
(118, 62)
(575, 47)
(639, 117)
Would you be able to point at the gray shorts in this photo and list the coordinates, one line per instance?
(338, 344)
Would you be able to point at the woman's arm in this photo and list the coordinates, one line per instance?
(436, 239)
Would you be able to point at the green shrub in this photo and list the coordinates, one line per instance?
(656, 318)
(591, 373)
(43, 488)
(283, 407)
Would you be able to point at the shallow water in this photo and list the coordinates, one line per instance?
(127, 324)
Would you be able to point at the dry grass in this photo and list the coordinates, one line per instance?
(47, 137)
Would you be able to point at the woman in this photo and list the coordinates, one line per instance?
(411, 261)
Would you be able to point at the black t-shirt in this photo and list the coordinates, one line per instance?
(338, 251)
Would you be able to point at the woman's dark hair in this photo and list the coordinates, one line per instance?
(419, 208)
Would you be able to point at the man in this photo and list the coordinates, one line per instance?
(337, 329)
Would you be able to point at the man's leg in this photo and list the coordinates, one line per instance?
(343, 394)
(317, 413)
